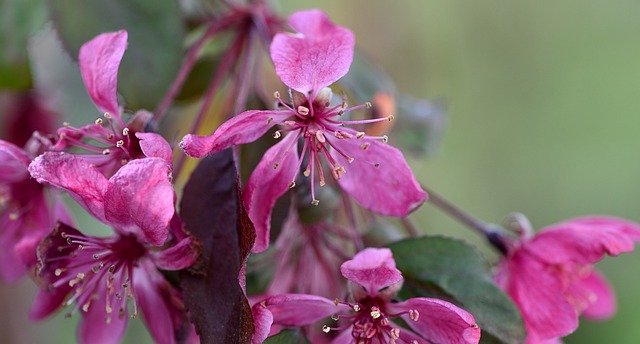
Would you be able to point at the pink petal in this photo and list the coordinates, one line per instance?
(155, 146)
(372, 268)
(538, 292)
(93, 327)
(602, 299)
(318, 56)
(133, 203)
(389, 189)
(297, 310)
(85, 183)
(177, 257)
(48, 301)
(267, 184)
(158, 302)
(14, 163)
(439, 321)
(11, 269)
(99, 62)
(584, 240)
(262, 321)
(242, 128)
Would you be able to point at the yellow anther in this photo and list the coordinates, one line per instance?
(375, 312)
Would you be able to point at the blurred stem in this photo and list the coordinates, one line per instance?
(228, 59)
(490, 231)
(410, 227)
(189, 61)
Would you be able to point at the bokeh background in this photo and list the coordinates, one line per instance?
(543, 118)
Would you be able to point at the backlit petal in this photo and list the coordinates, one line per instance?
(372, 268)
(99, 62)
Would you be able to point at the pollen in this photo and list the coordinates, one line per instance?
(375, 312)
(303, 110)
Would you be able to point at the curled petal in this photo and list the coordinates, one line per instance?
(320, 54)
(48, 301)
(14, 163)
(388, 189)
(177, 257)
(99, 62)
(584, 240)
(85, 183)
(600, 296)
(262, 320)
(267, 183)
(155, 146)
(133, 203)
(243, 128)
(372, 268)
(439, 321)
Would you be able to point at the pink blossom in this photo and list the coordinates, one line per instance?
(109, 142)
(27, 211)
(369, 318)
(551, 278)
(101, 276)
(370, 171)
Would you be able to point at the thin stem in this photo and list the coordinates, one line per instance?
(410, 227)
(490, 231)
(189, 61)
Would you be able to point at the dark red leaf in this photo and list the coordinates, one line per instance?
(212, 211)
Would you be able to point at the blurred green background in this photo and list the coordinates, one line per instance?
(543, 119)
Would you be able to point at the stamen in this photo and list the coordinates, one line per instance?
(326, 329)
(125, 131)
(269, 120)
(120, 143)
(303, 110)
(335, 317)
(359, 135)
(98, 121)
(106, 152)
(276, 95)
(414, 314)
(107, 115)
(292, 185)
(315, 202)
(395, 333)
(277, 135)
(375, 312)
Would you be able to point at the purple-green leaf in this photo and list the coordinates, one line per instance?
(212, 211)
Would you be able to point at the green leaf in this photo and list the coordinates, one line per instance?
(156, 36)
(19, 20)
(287, 337)
(452, 270)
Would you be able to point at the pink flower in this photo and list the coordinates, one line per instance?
(550, 276)
(372, 172)
(374, 283)
(101, 275)
(26, 216)
(107, 147)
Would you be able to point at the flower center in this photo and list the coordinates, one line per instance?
(370, 323)
(97, 269)
(321, 129)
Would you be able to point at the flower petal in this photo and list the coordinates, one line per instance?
(48, 301)
(262, 321)
(155, 146)
(601, 298)
(133, 203)
(439, 321)
(242, 128)
(297, 310)
(538, 292)
(161, 306)
(318, 56)
(85, 183)
(14, 163)
(584, 240)
(372, 268)
(267, 183)
(389, 189)
(93, 326)
(99, 62)
(177, 257)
